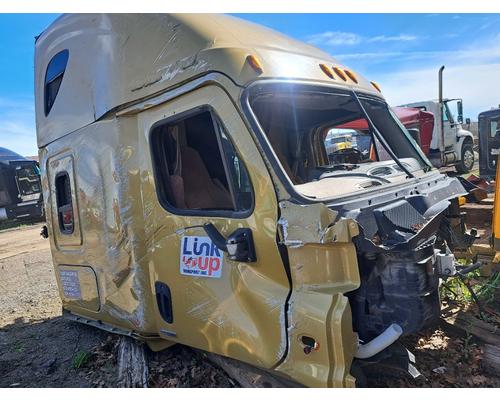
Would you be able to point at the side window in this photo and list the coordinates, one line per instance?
(447, 117)
(197, 167)
(64, 203)
(53, 78)
(494, 129)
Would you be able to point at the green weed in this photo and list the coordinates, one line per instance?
(80, 359)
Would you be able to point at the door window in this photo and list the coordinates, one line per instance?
(197, 168)
(494, 129)
(447, 115)
(64, 203)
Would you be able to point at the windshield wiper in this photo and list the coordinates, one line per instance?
(339, 167)
(331, 174)
(381, 138)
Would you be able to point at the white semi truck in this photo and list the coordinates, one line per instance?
(451, 144)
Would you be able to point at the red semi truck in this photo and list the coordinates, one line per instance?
(345, 138)
(419, 123)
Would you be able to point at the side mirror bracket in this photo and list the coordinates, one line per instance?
(460, 112)
(215, 236)
(240, 245)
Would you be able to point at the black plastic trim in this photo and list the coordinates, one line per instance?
(164, 301)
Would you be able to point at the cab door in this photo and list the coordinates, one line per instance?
(450, 127)
(212, 185)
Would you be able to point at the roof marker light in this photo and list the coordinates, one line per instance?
(255, 63)
(351, 75)
(376, 86)
(327, 70)
(341, 74)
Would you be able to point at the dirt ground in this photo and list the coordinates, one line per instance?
(38, 348)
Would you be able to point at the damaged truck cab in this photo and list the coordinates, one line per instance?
(191, 198)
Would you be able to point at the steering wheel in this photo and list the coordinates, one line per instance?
(349, 156)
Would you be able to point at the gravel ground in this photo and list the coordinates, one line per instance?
(38, 348)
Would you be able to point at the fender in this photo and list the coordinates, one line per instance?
(462, 134)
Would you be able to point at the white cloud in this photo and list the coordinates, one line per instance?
(17, 125)
(397, 38)
(473, 83)
(471, 73)
(335, 38)
(338, 38)
(474, 54)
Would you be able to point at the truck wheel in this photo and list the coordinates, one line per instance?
(467, 162)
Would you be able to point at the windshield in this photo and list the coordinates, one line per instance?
(320, 134)
(28, 179)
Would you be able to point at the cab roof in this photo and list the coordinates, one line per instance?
(489, 113)
(7, 155)
(118, 59)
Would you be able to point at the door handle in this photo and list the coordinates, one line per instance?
(239, 245)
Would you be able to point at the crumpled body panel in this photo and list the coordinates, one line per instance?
(106, 193)
(132, 242)
(323, 268)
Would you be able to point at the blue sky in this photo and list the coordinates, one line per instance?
(400, 51)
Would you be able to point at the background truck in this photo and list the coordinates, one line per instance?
(451, 144)
(340, 142)
(20, 187)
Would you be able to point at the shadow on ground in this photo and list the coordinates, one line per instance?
(43, 353)
(5, 225)
(444, 359)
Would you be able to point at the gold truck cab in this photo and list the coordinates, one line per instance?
(190, 197)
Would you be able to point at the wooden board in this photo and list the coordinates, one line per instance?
(248, 376)
(483, 331)
(491, 358)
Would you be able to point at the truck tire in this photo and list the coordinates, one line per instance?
(467, 160)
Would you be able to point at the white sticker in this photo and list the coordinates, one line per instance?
(200, 257)
(70, 284)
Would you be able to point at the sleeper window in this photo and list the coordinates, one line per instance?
(197, 167)
(64, 203)
(53, 78)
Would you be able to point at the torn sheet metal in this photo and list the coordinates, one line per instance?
(313, 223)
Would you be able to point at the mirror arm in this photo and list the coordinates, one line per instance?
(215, 236)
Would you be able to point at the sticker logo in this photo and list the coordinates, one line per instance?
(70, 284)
(200, 257)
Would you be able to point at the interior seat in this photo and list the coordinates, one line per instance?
(200, 190)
